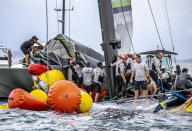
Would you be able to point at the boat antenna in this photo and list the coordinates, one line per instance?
(169, 27)
(127, 26)
(160, 40)
(47, 37)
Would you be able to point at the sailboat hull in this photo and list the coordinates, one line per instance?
(12, 78)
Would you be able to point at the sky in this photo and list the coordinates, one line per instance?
(21, 19)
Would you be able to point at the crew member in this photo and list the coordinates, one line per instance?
(141, 73)
(78, 69)
(152, 88)
(98, 75)
(29, 45)
(183, 82)
(120, 79)
(72, 74)
(87, 78)
(129, 67)
(166, 80)
(155, 71)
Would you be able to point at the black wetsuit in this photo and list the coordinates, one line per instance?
(26, 46)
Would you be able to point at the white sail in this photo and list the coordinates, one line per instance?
(123, 24)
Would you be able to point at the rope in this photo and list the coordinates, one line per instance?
(70, 22)
(127, 26)
(169, 27)
(47, 38)
(155, 24)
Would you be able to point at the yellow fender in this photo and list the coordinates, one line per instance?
(4, 108)
(53, 77)
(86, 102)
(39, 94)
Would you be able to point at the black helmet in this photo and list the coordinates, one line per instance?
(35, 37)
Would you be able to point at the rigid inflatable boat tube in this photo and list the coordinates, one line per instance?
(23, 100)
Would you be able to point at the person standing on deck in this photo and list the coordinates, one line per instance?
(155, 68)
(98, 75)
(120, 79)
(141, 73)
(29, 45)
(129, 67)
(78, 69)
(87, 78)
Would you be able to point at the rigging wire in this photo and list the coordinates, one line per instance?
(70, 23)
(127, 27)
(57, 18)
(170, 32)
(69, 18)
(47, 37)
(160, 40)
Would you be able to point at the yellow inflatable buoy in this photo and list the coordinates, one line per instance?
(39, 94)
(86, 102)
(4, 107)
(53, 77)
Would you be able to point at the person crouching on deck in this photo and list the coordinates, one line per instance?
(29, 45)
(87, 78)
(141, 73)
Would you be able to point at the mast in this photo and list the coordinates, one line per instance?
(109, 44)
(63, 18)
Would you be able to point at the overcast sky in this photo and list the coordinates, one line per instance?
(21, 19)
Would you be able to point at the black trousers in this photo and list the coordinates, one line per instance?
(120, 85)
(154, 76)
(79, 81)
(127, 77)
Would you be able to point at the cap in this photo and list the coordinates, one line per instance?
(72, 61)
(35, 37)
(131, 55)
(126, 56)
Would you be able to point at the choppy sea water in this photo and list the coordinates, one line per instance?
(103, 116)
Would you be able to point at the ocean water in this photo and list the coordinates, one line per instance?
(117, 115)
(122, 115)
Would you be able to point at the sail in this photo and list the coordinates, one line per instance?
(61, 46)
(122, 14)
